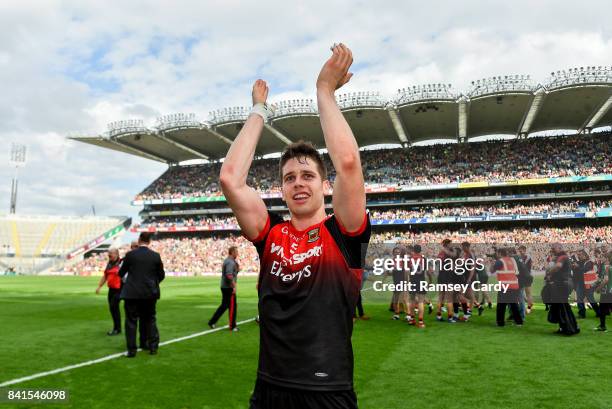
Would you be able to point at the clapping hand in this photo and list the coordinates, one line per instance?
(335, 72)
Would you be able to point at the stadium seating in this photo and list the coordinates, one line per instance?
(560, 156)
(30, 243)
(227, 222)
(189, 243)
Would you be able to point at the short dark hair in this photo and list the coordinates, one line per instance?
(232, 249)
(301, 150)
(145, 237)
(416, 248)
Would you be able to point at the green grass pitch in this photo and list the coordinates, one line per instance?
(51, 322)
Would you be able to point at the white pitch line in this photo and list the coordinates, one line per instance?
(369, 288)
(112, 356)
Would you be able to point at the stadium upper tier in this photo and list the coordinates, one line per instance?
(578, 98)
(492, 161)
(28, 242)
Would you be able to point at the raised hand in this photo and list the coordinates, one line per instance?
(335, 72)
(260, 92)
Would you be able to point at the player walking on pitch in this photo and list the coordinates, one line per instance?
(311, 266)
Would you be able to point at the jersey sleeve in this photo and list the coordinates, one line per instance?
(260, 240)
(353, 245)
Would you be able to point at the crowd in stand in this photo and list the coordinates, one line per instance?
(226, 221)
(537, 240)
(196, 256)
(221, 221)
(183, 255)
(493, 209)
(422, 165)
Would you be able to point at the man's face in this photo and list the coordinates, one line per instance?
(556, 249)
(302, 186)
(235, 253)
(113, 255)
(522, 251)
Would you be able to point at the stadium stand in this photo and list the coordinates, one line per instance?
(193, 235)
(197, 255)
(31, 244)
(491, 161)
(530, 189)
(225, 222)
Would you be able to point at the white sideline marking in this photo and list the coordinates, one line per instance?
(113, 356)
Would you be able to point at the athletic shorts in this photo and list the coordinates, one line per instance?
(446, 297)
(270, 396)
(399, 297)
(482, 277)
(526, 281)
(417, 297)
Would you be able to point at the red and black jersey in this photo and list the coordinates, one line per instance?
(417, 272)
(111, 272)
(309, 283)
(445, 275)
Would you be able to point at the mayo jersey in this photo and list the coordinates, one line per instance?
(309, 283)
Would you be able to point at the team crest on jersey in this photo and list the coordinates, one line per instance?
(313, 235)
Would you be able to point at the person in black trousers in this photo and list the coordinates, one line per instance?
(142, 334)
(140, 293)
(557, 280)
(113, 281)
(583, 270)
(229, 276)
(507, 270)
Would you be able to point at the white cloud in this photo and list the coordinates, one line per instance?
(75, 66)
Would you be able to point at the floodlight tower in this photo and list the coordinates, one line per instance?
(18, 159)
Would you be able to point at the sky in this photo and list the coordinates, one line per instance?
(72, 67)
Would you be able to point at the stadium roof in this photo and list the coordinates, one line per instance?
(578, 98)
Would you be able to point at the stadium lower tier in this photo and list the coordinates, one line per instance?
(198, 255)
(574, 209)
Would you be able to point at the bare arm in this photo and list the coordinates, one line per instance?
(247, 205)
(101, 283)
(348, 199)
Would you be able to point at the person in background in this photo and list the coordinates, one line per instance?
(557, 277)
(507, 270)
(526, 280)
(141, 292)
(111, 278)
(360, 313)
(605, 289)
(142, 331)
(399, 300)
(446, 275)
(229, 277)
(584, 276)
(418, 280)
